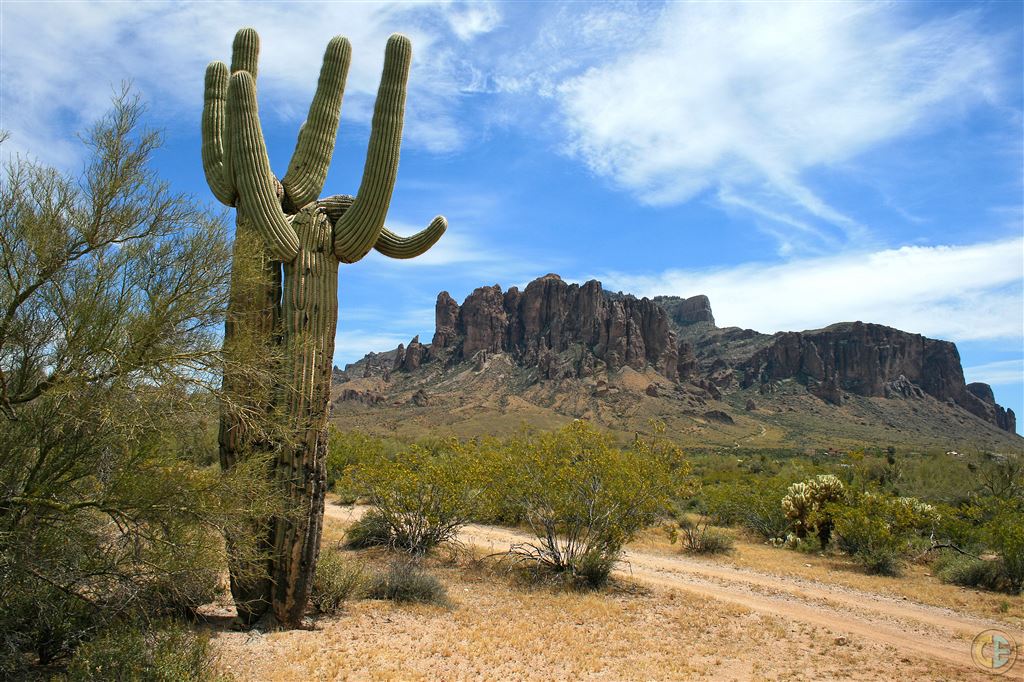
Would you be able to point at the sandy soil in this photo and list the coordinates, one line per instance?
(681, 619)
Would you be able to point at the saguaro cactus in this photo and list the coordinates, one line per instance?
(293, 242)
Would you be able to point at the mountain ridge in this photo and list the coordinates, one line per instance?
(566, 348)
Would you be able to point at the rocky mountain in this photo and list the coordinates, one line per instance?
(556, 351)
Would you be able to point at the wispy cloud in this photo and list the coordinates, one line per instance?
(164, 48)
(972, 292)
(999, 373)
(351, 345)
(749, 97)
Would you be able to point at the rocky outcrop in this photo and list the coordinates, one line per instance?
(482, 322)
(687, 311)
(563, 329)
(446, 317)
(870, 360)
(409, 359)
(365, 397)
(1001, 416)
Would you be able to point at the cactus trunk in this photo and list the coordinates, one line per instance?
(309, 318)
(254, 312)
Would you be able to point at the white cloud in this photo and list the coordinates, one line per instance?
(470, 20)
(971, 292)
(748, 97)
(999, 373)
(57, 76)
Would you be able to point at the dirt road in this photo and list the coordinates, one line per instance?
(909, 628)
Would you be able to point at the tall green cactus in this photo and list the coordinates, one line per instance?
(294, 243)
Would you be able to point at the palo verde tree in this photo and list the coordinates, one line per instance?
(112, 292)
(296, 241)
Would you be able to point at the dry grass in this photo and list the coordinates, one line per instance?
(495, 630)
(916, 583)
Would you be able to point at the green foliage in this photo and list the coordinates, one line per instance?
(112, 307)
(338, 579)
(423, 496)
(164, 653)
(999, 476)
(878, 530)
(582, 497)
(1005, 534)
(351, 448)
(372, 530)
(751, 504)
(700, 537)
(405, 580)
(969, 571)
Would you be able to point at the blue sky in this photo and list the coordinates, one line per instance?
(801, 164)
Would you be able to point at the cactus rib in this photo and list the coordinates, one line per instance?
(315, 146)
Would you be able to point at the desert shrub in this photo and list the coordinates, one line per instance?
(806, 506)
(423, 496)
(405, 580)
(1005, 534)
(969, 571)
(583, 498)
(337, 580)
(879, 530)
(113, 320)
(753, 505)
(165, 653)
(371, 530)
(350, 448)
(700, 537)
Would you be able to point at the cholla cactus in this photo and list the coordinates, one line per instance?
(804, 503)
(297, 242)
(797, 505)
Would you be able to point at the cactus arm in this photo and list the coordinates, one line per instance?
(257, 187)
(312, 157)
(359, 228)
(215, 95)
(245, 51)
(389, 243)
(393, 246)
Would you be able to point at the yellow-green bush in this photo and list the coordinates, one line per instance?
(878, 530)
(166, 652)
(423, 495)
(582, 497)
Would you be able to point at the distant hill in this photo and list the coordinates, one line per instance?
(556, 351)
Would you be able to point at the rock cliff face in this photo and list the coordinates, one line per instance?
(565, 329)
(1002, 417)
(686, 311)
(577, 331)
(872, 360)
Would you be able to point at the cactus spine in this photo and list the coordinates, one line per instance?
(283, 298)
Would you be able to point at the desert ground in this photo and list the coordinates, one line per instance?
(756, 614)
